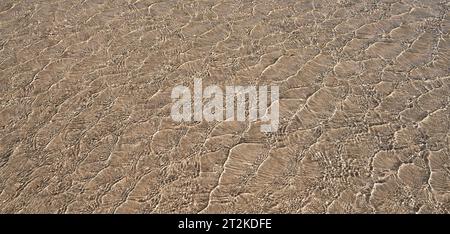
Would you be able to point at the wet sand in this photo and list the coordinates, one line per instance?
(85, 123)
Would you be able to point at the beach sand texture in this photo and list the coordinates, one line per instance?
(85, 100)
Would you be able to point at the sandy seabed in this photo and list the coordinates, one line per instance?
(85, 103)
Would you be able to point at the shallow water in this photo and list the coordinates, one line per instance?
(85, 106)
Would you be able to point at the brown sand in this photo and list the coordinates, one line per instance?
(85, 104)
